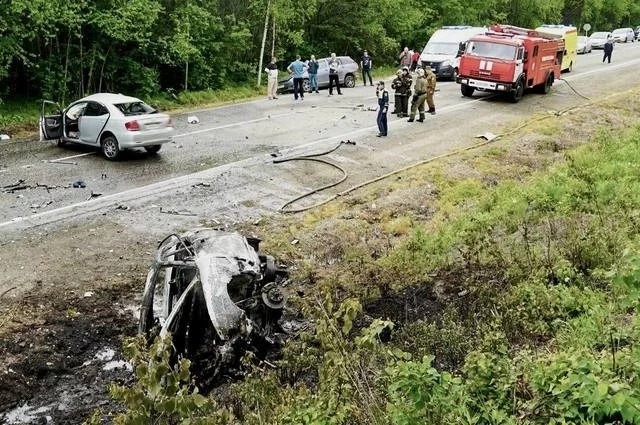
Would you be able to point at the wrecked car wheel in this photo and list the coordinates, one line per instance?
(153, 148)
(110, 147)
(218, 297)
(350, 81)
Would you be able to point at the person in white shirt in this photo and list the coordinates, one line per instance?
(272, 79)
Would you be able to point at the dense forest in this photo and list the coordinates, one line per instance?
(63, 49)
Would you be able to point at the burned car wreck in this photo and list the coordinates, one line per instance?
(219, 298)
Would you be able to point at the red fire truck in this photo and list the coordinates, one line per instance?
(508, 59)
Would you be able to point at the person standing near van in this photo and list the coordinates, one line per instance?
(414, 60)
(297, 68)
(272, 79)
(334, 68)
(313, 74)
(431, 89)
(405, 58)
(608, 49)
(419, 96)
(366, 63)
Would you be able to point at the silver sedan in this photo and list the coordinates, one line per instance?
(112, 122)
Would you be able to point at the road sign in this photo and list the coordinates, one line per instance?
(586, 27)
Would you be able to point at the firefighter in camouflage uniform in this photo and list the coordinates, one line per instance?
(419, 96)
(431, 89)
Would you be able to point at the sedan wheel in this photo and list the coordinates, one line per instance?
(110, 148)
(305, 85)
(349, 81)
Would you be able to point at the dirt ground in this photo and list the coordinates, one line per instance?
(60, 343)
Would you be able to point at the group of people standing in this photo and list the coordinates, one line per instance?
(298, 68)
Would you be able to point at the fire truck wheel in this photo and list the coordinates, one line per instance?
(466, 90)
(517, 94)
(547, 84)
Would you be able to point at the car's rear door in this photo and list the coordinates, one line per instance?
(323, 73)
(50, 121)
(91, 122)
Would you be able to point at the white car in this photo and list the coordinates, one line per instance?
(623, 35)
(111, 122)
(598, 39)
(584, 45)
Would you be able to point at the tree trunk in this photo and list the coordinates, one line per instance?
(264, 41)
(273, 36)
(66, 68)
(81, 66)
(186, 76)
(104, 62)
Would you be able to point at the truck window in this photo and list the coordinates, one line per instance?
(491, 50)
(520, 53)
(535, 51)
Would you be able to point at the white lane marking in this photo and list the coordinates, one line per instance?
(69, 157)
(607, 67)
(204, 130)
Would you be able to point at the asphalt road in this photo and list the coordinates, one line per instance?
(222, 167)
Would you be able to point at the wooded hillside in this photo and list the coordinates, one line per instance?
(63, 49)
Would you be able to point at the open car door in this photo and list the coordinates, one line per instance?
(50, 121)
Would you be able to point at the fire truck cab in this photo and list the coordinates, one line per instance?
(509, 60)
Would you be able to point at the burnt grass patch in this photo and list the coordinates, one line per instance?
(446, 315)
(53, 366)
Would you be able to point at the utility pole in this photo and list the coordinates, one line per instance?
(264, 41)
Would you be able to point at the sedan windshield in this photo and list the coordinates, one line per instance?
(599, 35)
(620, 31)
(441, 48)
(491, 50)
(134, 108)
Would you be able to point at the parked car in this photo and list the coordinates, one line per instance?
(598, 39)
(584, 44)
(346, 73)
(111, 122)
(623, 35)
(637, 32)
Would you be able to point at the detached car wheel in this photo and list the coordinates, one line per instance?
(153, 148)
(349, 81)
(110, 148)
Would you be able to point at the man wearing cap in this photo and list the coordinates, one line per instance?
(419, 96)
(366, 63)
(383, 106)
(431, 89)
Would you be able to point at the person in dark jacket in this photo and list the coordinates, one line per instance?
(402, 86)
(608, 49)
(397, 85)
(312, 69)
(383, 106)
(366, 63)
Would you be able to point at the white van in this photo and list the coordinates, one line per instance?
(442, 50)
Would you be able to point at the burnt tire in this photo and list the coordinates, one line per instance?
(349, 81)
(467, 91)
(153, 149)
(110, 148)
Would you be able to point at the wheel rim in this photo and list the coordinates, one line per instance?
(110, 148)
(349, 82)
(305, 85)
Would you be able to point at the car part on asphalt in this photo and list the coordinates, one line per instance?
(220, 297)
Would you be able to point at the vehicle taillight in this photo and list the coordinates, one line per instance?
(170, 123)
(132, 125)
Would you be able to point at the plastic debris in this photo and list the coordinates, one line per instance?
(192, 119)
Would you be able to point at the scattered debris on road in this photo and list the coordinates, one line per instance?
(192, 119)
(79, 184)
(4, 137)
(201, 184)
(53, 161)
(489, 136)
(93, 195)
(220, 296)
(173, 212)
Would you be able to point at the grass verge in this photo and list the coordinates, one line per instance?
(498, 287)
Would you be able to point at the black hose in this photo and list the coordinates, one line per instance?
(313, 157)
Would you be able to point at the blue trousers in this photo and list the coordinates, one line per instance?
(313, 83)
(382, 122)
